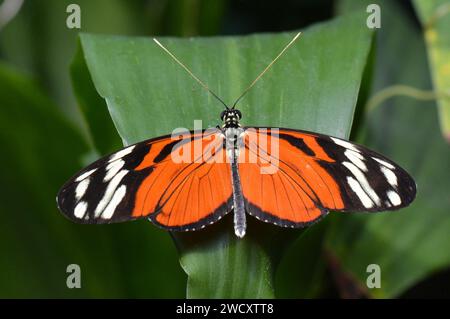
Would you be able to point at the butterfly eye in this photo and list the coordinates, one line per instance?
(222, 115)
(239, 114)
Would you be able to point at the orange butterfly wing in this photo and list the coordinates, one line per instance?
(292, 178)
(156, 179)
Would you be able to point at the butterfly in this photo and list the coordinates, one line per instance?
(191, 179)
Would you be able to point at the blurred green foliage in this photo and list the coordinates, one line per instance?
(46, 139)
(435, 19)
(406, 244)
(43, 150)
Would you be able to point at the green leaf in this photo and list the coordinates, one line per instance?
(314, 86)
(302, 270)
(410, 244)
(435, 18)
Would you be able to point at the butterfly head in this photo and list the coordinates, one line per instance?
(231, 117)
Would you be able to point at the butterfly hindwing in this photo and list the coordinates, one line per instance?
(143, 180)
(314, 173)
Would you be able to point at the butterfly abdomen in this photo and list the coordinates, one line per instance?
(234, 143)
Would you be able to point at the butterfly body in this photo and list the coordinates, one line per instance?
(233, 135)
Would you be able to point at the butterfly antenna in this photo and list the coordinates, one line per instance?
(266, 69)
(190, 73)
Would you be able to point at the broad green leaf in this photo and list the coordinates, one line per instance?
(302, 270)
(410, 244)
(314, 86)
(435, 18)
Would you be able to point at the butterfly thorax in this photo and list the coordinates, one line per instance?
(230, 118)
